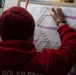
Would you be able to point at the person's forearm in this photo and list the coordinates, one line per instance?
(66, 32)
(62, 59)
(68, 39)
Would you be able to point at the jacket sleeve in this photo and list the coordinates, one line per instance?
(60, 62)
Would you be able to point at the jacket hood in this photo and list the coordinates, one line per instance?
(14, 53)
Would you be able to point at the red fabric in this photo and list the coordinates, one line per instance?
(20, 58)
(16, 23)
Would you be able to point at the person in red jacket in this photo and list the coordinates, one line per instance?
(18, 55)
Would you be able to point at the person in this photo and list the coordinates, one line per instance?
(18, 55)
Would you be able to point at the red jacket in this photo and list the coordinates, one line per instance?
(20, 58)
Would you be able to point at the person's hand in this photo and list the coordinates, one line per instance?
(58, 15)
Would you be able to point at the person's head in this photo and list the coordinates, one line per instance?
(16, 23)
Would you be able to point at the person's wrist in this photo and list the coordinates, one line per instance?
(61, 24)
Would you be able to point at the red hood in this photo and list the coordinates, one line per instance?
(13, 53)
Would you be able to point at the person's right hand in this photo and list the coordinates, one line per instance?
(57, 14)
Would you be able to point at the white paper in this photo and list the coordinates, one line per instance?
(46, 26)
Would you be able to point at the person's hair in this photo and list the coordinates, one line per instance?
(16, 23)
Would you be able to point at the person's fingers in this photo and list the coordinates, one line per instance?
(52, 13)
(53, 10)
(55, 7)
(60, 9)
(57, 13)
